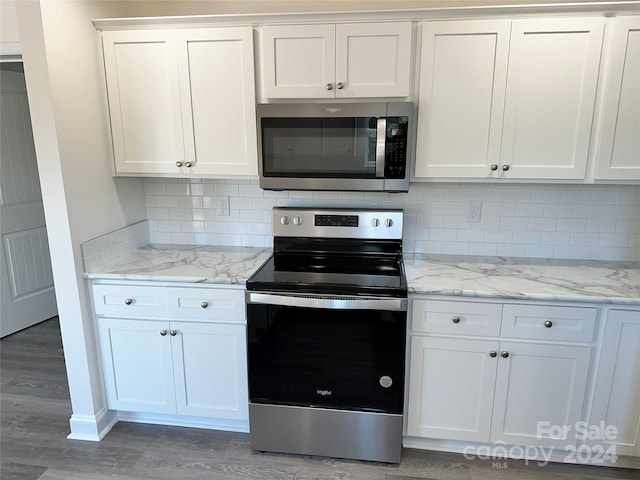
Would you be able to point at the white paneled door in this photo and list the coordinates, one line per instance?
(27, 294)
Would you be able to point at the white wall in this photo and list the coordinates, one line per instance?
(594, 222)
(81, 199)
(8, 22)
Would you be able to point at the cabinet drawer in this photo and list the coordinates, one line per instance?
(457, 318)
(540, 322)
(219, 305)
(129, 301)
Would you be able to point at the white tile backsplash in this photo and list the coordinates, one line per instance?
(599, 222)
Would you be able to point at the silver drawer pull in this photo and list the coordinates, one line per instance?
(548, 324)
(163, 332)
(173, 333)
(204, 304)
(493, 354)
(456, 319)
(504, 354)
(128, 301)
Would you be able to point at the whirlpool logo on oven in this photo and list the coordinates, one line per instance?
(324, 393)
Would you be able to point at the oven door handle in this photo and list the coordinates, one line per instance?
(328, 302)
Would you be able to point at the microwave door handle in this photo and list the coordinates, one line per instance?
(380, 146)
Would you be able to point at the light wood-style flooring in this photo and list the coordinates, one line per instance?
(34, 423)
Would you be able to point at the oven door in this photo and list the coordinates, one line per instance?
(346, 358)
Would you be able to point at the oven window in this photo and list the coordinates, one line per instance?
(343, 147)
(344, 359)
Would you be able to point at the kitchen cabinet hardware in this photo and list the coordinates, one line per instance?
(340, 85)
(163, 332)
(188, 164)
(504, 354)
(456, 319)
(128, 301)
(505, 168)
(329, 86)
(178, 164)
(204, 304)
(173, 333)
(494, 166)
(493, 354)
(548, 324)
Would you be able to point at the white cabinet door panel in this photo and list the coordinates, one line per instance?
(617, 392)
(299, 61)
(462, 84)
(137, 365)
(619, 153)
(451, 388)
(373, 59)
(218, 100)
(538, 383)
(210, 370)
(550, 97)
(144, 100)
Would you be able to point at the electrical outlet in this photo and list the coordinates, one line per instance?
(222, 206)
(473, 212)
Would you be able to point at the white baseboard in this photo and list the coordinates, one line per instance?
(92, 428)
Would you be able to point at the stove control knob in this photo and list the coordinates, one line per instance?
(297, 220)
(388, 223)
(375, 222)
(284, 220)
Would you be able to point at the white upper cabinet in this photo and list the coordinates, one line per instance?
(550, 99)
(507, 99)
(144, 103)
(462, 84)
(336, 61)
(618, 156)
(182, 102)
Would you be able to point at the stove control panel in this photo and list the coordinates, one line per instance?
(338, 223)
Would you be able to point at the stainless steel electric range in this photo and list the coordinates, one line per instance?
(326, 317)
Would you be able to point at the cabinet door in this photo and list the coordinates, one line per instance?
(144, 101)
(451, 387)
(462, 84)
(298, 61)
(538, 383)
(551, 89)
(373, 59)
(137, 365)
(617, 391)
(210, 370)
(218, 100)
(619, 152)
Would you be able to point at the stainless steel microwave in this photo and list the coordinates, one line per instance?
(341, 147)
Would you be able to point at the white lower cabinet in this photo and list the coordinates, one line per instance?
(616, 401)
(184, 354)
(470, 387)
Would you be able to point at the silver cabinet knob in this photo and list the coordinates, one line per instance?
(178, 164)
(204, 304)
(493, 354)
(548, 324)
(340, 85)
(456, 319)
(494, 166)
(173, 333)
(163, 332)
(504, 354)
(505, 168)
(188, 164)
(128, 301)
(329, 86)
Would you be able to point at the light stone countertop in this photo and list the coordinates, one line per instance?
(452, 275)
(524, 278)
(184, 263)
